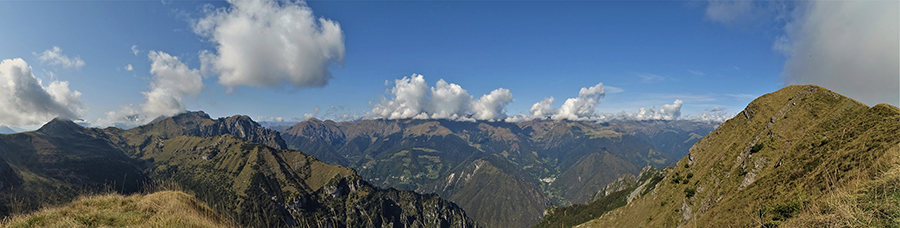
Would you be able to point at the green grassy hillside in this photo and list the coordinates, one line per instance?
(802, 156)
(161, 209)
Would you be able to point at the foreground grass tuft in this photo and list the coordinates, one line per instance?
(872, 204)
(161, 209)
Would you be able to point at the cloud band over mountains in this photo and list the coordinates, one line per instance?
(411, 98)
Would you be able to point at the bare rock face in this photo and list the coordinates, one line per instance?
(246, 128)
(624, 181)
(201, 125)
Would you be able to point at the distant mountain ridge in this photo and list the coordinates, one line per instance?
(6, 130)
(530, 165)
(199, 124)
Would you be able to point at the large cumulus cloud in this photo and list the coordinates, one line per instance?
(850, 47)
(576, 108)
(409, 97)
(492, 106)
(266, 43)
(544, 108)
(24, 101)
(448, 100)
(412, 98)
(172, 81)
(581, 107)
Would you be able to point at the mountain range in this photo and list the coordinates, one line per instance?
(802, 156)
(503, 174)
(232, 164)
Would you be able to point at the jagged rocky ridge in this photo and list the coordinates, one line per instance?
(232, 164)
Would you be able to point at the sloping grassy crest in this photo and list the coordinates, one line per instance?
(800, 156)
(160, 209)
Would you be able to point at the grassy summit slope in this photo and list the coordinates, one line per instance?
(161, 209)
(803, 156)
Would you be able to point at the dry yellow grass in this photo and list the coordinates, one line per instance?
(802, 156)
(161, 209)
(874, 203)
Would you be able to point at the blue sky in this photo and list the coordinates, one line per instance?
(646, 54)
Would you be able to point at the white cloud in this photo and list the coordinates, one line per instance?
(411, 98)
(665, 112)
(542, 109)
(135, 50)
(448, 100)
(310, 115)
(55, 57)
(125, 117)
(850, 47)
(581, 107)
(716, 115)
(577, 108)
(24, 101)
(492, 106)
(172, 80)
(265, 43)
(129, 67)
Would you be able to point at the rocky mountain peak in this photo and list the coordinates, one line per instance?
(61, 127)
